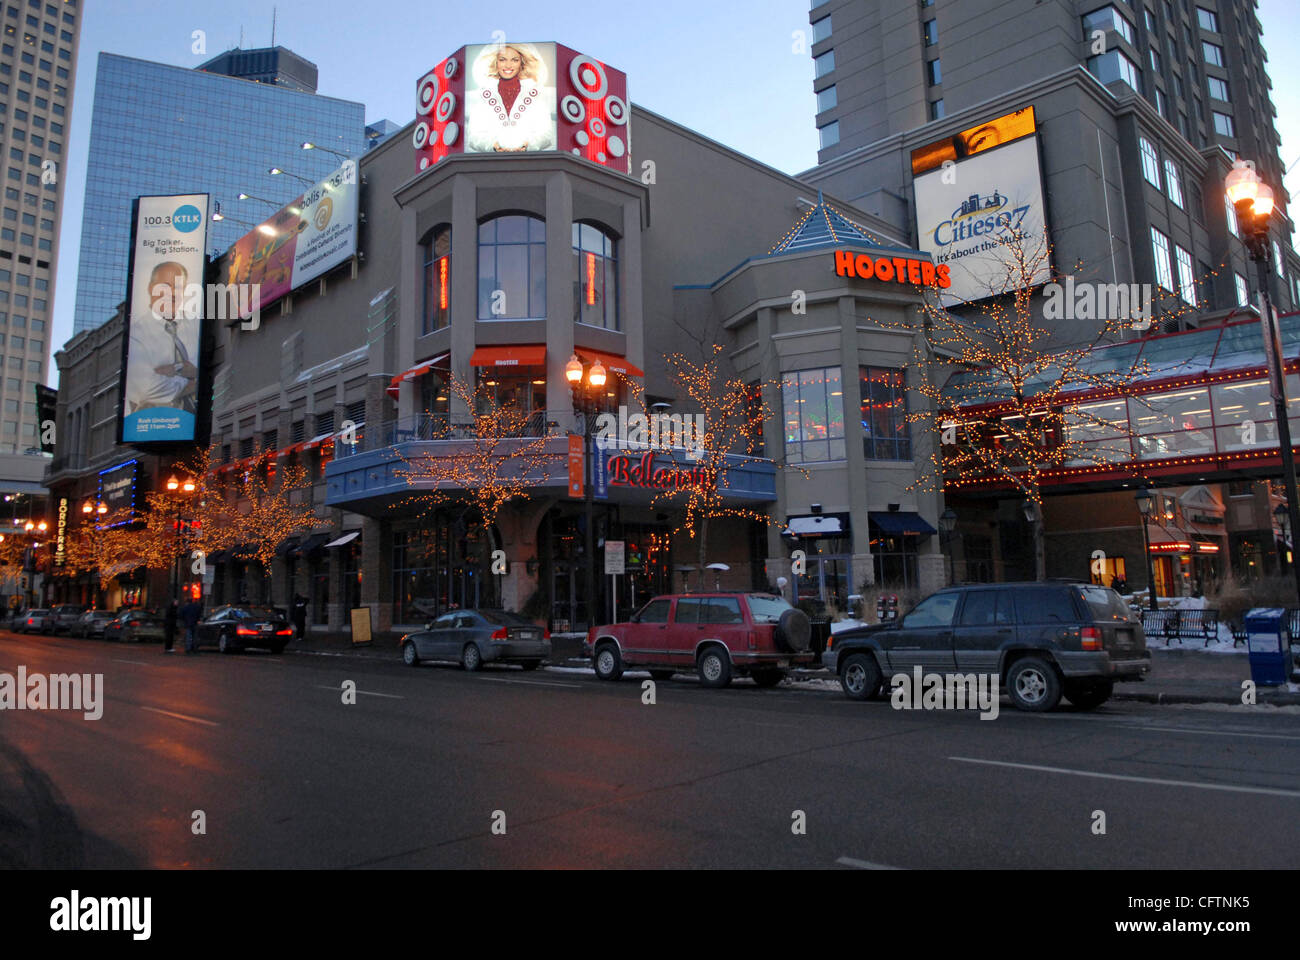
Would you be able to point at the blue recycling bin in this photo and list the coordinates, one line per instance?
(1269, 645)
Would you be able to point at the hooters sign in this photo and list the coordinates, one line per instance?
(640, 471)
(911, 270)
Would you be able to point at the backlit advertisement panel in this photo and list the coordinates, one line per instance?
(966, 208)
(161, 342)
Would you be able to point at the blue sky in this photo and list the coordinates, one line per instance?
(725, 69)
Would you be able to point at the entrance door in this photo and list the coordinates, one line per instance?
(1164, 568)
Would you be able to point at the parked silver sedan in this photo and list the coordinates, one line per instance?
(475, 637)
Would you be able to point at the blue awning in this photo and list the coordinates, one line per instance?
(900, 523)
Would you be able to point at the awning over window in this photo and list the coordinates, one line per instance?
(419, 370)
(900, 523)
(285, 546)
(345, 539)
(610, 361)
(532, 355)
(317, 440)
(311, 544)
(816, 525)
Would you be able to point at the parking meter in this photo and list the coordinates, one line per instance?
(1268, 645)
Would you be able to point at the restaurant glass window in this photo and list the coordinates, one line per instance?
(1174, 424)
(595, 279)
(813, 406)
(894, 558)
(826, 580)
(518, 392)
(1099, 431)
(512, 268)
(884, 415)
(437, 279)
(319, 599)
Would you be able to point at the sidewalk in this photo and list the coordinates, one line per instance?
(1177, 675)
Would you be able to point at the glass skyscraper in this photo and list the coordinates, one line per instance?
(158, 129)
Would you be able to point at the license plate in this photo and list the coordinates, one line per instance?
(528, 635)
(264, 627)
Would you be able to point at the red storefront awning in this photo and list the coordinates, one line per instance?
(531, 355)
(419, 370)
(610, 361)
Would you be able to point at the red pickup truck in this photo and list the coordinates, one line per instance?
(720, 635)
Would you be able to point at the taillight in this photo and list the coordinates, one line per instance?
(245, 632)
(134, 623)
(546, 634)
(499, 634)
(1091, 638)
(284, 633)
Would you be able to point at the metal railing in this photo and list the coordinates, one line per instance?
(433, 427)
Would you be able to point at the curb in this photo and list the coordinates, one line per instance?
(1263, 698)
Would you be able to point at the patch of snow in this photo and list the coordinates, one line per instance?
(839, 625)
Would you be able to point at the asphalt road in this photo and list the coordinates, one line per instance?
(418, 770)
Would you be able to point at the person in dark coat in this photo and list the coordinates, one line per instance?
(300, 614)
(190, 615)
(169, 626)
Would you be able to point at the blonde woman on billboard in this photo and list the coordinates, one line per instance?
(510, 101)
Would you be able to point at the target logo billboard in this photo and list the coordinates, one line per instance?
(522, 98)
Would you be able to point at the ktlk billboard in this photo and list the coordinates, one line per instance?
(161, 342)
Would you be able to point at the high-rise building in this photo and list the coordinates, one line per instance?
(159, 129)
(274, 65)
(1141, 107)
(37, 70)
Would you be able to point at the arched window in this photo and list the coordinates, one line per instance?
(595, 282)
(437, 279)
(512, 268)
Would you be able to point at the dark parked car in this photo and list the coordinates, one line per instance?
(475, 637)
(1041, 640)
(718, 634)
(233, 628)
(92, 623)
(135, 625)
(64, 616)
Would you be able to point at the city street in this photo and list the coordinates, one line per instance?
(418, 770)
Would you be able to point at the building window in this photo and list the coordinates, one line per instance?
(821, 29)
(1186, 275)
(1213, 53)
(1150, 162)
(934, 72)
(931, 32)
(512, 268)
(1218, 88)
(823, 64)
(1278, 267)
(1107, 18)
(829, 135)
(595, 277)
(813, 406)
(826, 99)
(884, 415)
(1223, 125)
(936, 109)
(437, 279)
(1155, 59)
(1173, 184)
(1113, 66)
(1208, 19)
(1162, 107)
(1231, 213)
(1160, 250)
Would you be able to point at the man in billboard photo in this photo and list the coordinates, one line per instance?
(510, 100)
(161, 370)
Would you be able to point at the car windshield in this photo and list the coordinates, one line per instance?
(1105, 603)
(504, 618)
(767, 609)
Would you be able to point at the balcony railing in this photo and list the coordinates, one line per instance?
(433, 427)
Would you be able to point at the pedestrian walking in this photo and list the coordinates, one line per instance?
(190, 615)
(169, 626)
(300, 614)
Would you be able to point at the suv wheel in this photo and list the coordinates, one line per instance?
(793, 631)
(714, 667)
(608, 662)
(1033, 685)
(1089, 696)
(860, 676)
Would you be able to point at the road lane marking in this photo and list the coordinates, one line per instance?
(138, 663)
(865, 864)
(1230, 788)
(530, 683)
(1197, 731)
(364, 693)
(181, 716)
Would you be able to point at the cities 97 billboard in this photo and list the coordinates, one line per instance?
(505, 98)
(974, 191)
(161, 342)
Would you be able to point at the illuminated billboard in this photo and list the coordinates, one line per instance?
(161, 340)
(973, 191)
(300, 242)
(522, 98)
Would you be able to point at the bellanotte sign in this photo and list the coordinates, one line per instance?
(891, 269)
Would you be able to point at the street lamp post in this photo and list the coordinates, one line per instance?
(947, 524)
(185, 487)
(1145, 503)
(586, 394)
(1284, 522)
(1253, 201)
